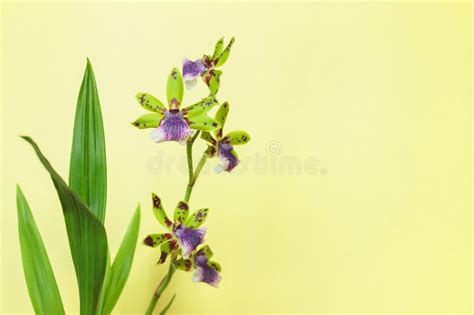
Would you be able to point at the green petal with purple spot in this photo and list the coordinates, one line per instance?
(166, 249)
(197, 218)
(149, 102)
(154, 240)
(174, 89)
(214, 265)
(221, 117)
(212, 79)
(225, 54)
(237, 137)
(203, 122)
(151, 120)
(160, 213)
(200, 108)
(183, 264)
(181, 212)
(218, 48)
(206, 251)
(206, 136)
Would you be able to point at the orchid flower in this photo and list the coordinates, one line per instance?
(223, 146)
(206, 67)
(184, 234)
(174, 123)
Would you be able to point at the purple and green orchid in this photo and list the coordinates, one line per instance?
(223, 145)
(183, 242)
(173, 123)
(206, 67)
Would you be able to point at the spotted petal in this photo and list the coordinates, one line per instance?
(218, 48)
(151, 103)
(174, 89)
(183, 264)
(225, 54)
(166, 249)
(173, 127)
(221, 117)
(200, 108)
(159, 212)
(206, 136)
(206, 251)
(189, 239)
(206, 273)
(212, 79)
(237, 137)
(151, 120)
(197, 218)
(181, 212)
(203, 122)
(154, 240)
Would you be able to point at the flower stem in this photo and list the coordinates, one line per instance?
(160, 289)
(193, 175)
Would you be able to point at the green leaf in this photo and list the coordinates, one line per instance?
(122, 264)
(237, 137)
(160, 213)
(87, 168)
(149, 102)
(175, 89)
(197, 218)
(40, 280)
(181, 212)
(218, 48)
(167, 307)
(105, 285)
(201, 107)
(203, 122)
(151, 120)
(225, 54)
(155, 240)
(87, 239)
(221, 117)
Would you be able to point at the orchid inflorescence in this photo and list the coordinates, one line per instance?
(183, 241)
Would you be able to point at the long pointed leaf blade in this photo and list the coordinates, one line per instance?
(40, 280)
(122, 264)
(87, 239)
(87, 168)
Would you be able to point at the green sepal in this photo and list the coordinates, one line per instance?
(218, 48)
(212, 79)
(237, 137)
(160, 213)
(183, 264)
(166, 249)
(221, 117)
(155, 240)
(181, 212)
(206, 251)
(174, 89)
(149, 102)
(225, 54)
(206, 136)
(211, 151)
(197, 218)
(203, 122)
(151, 120)
(214, 265)
(200, 108)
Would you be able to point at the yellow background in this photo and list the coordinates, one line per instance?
(376, 95)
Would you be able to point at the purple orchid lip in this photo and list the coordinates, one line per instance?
(229, 160)
(173, 127)
(191, 71)
(189, 239)
(205, 273)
